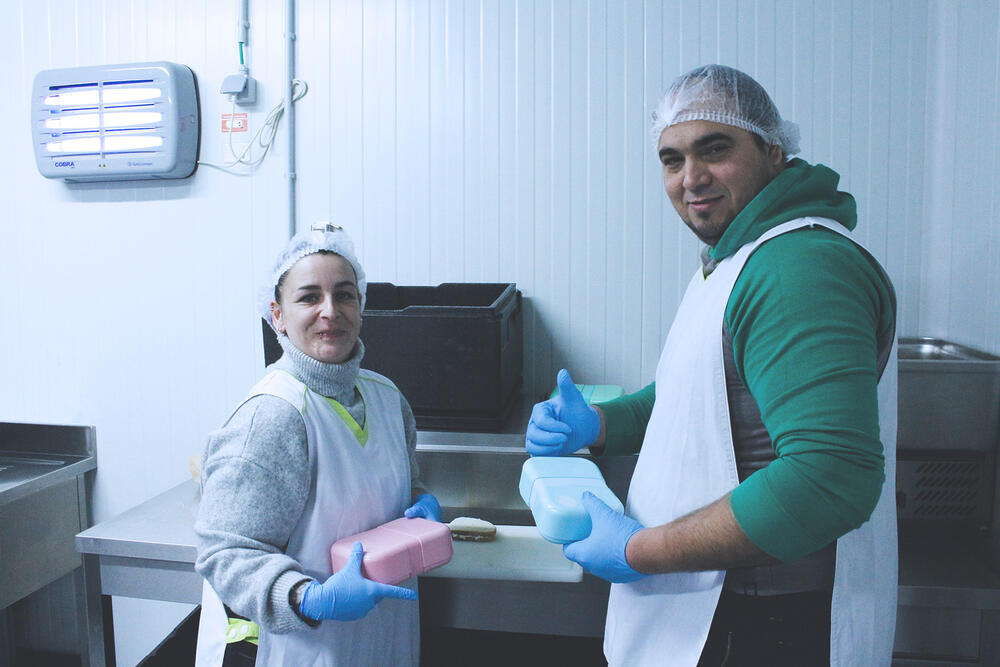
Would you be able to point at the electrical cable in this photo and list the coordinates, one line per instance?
(264, 136)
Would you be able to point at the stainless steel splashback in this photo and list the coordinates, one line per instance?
(949, 397)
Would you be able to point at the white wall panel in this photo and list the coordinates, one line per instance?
(960, 276)
(490, 140)
(973, 191)
(586, 232)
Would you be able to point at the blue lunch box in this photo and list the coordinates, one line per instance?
(552, 486)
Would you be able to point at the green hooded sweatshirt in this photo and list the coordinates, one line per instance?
(806, 315)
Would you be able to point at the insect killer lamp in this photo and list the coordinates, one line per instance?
(115, 123)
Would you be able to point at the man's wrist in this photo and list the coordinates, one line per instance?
(597, 448)
(633, 541)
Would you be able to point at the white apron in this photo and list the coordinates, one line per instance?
(355, 487)
(687, 461)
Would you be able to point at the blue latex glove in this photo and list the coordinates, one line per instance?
(602, 553)
(347, 595)
(562, 424)
(426, 506)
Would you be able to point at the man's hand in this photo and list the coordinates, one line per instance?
(562, 424)
(602, 553)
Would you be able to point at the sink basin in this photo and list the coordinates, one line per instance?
(935, 349)
(42, 504)
(949, 397)
(16, 470)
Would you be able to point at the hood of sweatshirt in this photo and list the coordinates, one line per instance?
(799, 191)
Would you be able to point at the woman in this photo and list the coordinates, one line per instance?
(319, 450)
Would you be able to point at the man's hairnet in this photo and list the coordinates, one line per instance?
(724, 95)
(322, 237)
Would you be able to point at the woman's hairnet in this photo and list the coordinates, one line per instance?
(724, 95)
(322, 237)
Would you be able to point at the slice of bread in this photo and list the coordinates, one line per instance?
(468, 529)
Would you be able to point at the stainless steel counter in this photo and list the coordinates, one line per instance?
(149, 551)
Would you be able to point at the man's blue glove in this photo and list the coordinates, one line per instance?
(562, 424)
(602, 553)
(426, 506)
(347, 595)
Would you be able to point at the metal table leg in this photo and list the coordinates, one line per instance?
(95, 626)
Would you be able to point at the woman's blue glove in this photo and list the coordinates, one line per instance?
(426, 506)
(562, 424)
(347, 595)
(602, 553)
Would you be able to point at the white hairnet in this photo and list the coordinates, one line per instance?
(725, 95)
(322, 237)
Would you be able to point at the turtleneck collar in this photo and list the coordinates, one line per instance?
(335, 381)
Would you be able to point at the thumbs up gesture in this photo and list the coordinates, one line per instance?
(562, 424)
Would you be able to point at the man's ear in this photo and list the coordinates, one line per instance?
(776, 155)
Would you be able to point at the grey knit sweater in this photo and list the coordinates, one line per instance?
(254, 486)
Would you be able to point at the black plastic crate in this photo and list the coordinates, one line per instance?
(454, 350)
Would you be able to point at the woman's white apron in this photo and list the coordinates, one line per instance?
(355, 487)
(687, 461)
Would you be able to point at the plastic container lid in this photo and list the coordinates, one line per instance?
(595, 393)
(397, 550)
(552, 486)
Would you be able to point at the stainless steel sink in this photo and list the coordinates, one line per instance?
(43, 505)
(949, 432)
(18, 469)
(482, 481)
(949, 397)
(935, 349)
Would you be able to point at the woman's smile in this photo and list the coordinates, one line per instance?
(320, 309)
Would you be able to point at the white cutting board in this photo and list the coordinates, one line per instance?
(519, 553)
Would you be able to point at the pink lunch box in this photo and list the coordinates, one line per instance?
(397, 550)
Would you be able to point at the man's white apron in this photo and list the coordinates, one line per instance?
(355, 487)
(687, 461)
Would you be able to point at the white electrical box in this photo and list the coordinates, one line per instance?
(115, 122)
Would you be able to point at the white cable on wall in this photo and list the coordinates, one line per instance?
(244, 163)
(264, 137)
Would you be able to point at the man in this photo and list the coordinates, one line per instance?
(760, 522)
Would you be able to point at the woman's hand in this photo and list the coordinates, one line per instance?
(347, 595)
(426, 506)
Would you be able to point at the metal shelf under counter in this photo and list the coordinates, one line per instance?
(949, 601)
